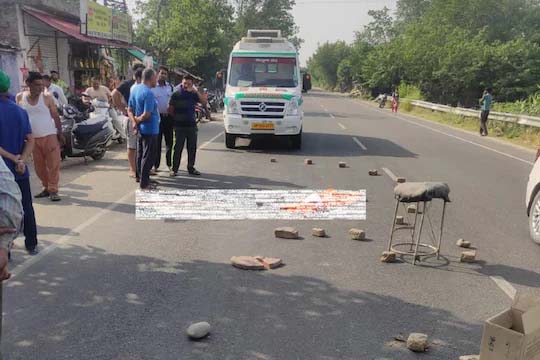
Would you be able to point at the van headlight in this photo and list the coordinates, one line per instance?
(233, 107)
(293, 109)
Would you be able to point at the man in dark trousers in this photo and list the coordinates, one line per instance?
(182, 109)
(143, 112)
(16, 145)
(163, 92)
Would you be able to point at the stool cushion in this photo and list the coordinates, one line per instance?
(421, 191)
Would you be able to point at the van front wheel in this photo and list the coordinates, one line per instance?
(230, 141)
(296, 141)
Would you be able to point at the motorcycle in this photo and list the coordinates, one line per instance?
(213, 102)
(382, 99)
(199, 112)
(84, 136)
(118, 122)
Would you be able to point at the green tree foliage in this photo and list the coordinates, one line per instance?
(450, 49)
(199, 34)
(266, 15)
(324, 63)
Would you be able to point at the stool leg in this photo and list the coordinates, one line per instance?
(419, 236)
(414, 225)
(393, 226)
(441, 233)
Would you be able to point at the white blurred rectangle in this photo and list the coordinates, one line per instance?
(251, 204)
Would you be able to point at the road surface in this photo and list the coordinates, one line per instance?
(106, 286)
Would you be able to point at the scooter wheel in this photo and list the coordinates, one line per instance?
(98, 155)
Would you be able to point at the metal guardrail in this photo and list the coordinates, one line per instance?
(507, 117)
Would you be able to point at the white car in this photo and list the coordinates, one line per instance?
(533, 200)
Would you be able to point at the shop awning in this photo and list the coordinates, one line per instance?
(72, 29)
(139, 54)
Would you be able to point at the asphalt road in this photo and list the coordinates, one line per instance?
(106, 286)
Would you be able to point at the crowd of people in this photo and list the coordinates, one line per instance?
(30, 127)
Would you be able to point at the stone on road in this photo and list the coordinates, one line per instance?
(342, 164)
(308, 162)
(417, 342)
(468, 257)
(255, 262)
(373, 172)
(463, 243)
(401, 180)
(388, 257)
(357, 234)
(199, 330)
(318, 232)
(286, 233)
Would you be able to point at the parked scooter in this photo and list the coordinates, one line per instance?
(84, 136)
(118, 123)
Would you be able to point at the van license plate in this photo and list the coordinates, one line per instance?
(262, 126)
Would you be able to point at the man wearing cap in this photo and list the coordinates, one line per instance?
(16, 145)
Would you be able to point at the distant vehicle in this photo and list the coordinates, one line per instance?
(263, 96)
(533, 200)
(382, 99)
(306, 82)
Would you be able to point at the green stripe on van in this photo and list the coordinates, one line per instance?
(262, 54)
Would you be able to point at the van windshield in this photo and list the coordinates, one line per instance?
(265, 71)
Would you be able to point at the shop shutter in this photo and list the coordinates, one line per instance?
(48, 53)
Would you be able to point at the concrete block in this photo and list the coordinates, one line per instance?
(286, 233)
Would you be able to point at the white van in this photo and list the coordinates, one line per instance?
(264, 89)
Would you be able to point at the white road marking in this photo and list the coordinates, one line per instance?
(342, 126)
(467, 141)
(505, 286)
(19, 269)
(360, 143)
(332, 116)
(391, 174)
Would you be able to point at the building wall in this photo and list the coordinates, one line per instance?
(9, 64)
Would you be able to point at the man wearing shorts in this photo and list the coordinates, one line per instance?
(120, 97)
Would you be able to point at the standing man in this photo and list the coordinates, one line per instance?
(16, 145)
(47, 133)
(55, 77)
(485, 101)
(98, 91)
(182, 109)
(163, 92)
(54, 90)
(143, 111)
(120, 98)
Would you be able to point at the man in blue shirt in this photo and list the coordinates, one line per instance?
(144, 113)
(485, 101)
(182, 109)
(163, 92)
(16, 145)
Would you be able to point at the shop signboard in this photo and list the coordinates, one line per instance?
(121, 26)
(98, 20)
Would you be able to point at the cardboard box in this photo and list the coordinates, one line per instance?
(513, 334)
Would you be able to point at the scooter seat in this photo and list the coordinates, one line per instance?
(89, 126)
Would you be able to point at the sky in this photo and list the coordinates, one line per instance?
(329, 20)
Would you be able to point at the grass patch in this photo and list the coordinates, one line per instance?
(518, 134)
